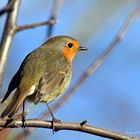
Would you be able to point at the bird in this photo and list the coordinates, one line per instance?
(44, 74)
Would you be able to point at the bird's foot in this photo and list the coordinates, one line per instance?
(23, 120)
(54, 120)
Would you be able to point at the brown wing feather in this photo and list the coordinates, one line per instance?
(15, 80)
(49, 83)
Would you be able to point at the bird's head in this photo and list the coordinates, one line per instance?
(66, 45)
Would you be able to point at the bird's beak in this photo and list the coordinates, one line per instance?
(82, 48)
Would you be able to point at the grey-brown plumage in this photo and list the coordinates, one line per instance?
(43, 75)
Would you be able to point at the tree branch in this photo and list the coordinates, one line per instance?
(82, 127)
(54, 13)
(7, 8)
(31, 26)
(7, 37)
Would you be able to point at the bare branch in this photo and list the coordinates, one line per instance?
(7, 8)
(31, 26)
(7, 37)
(68, 126)
(54, 13)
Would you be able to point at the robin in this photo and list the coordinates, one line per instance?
(44, 74)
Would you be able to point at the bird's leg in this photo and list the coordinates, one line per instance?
(53, 118)
(23, 115)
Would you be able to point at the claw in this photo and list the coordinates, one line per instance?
(23, 121)
(54, 120)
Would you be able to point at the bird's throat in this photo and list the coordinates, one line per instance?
(69, 55)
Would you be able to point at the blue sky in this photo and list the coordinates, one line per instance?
(109, 98)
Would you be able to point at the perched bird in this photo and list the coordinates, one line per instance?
(44, 74)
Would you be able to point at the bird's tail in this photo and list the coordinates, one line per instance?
(13, 106)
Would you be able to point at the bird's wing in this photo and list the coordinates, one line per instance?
(48, 84)
(15, 81)
(13, 85)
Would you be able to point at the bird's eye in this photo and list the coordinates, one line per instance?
(70, 45)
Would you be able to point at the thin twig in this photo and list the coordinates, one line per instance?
(68, 126)
(31, 26)
(54, 13)
(91, 69)
(7, 8)
(7, 37)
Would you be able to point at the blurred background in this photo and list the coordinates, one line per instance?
(110, 98)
